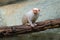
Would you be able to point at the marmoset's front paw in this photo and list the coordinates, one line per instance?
(32, 25)
(35, 24)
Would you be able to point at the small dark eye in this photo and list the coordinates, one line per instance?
(39, 10)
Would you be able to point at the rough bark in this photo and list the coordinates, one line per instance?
(22, 29)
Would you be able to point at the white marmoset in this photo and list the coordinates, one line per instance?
(31, 17)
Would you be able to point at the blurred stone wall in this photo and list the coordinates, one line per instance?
(5, 2)
(12, 14)
(9, 13)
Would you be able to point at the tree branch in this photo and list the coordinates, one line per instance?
(22, 29)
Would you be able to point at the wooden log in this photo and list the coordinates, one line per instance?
(22, 29)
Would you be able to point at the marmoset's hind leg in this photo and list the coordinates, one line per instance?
(25, 22)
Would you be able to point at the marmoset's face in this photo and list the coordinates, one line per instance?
(36, 11)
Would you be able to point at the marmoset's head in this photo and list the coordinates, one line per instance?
(36, 10)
